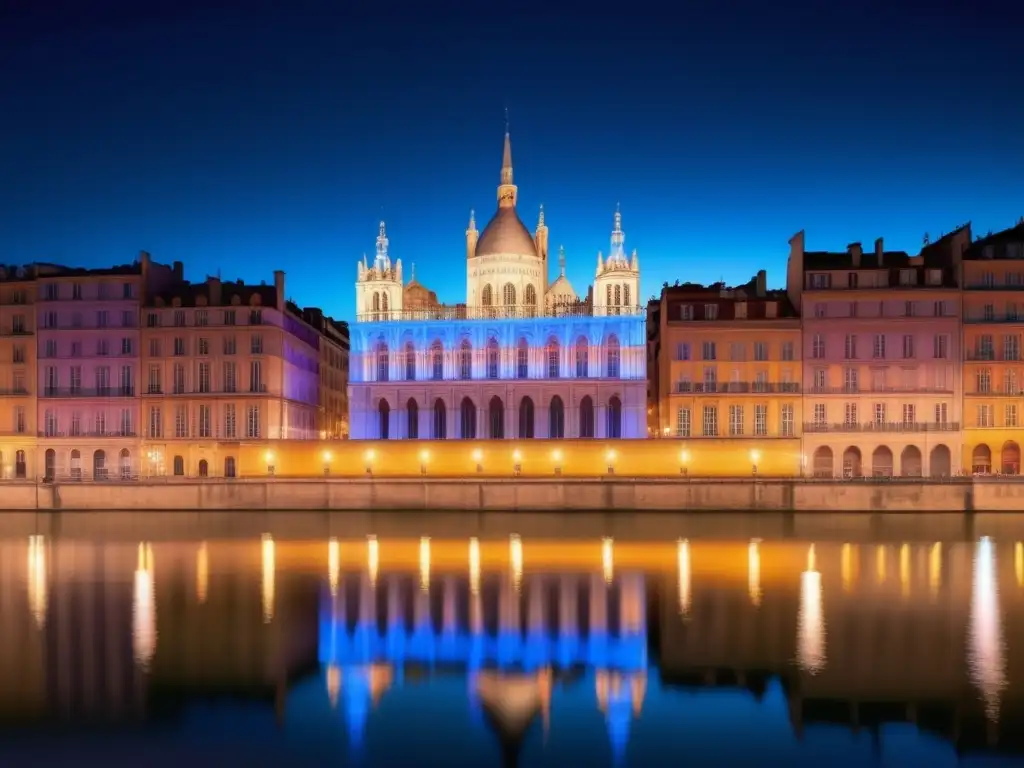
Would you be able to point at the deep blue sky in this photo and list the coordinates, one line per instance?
(277, 137)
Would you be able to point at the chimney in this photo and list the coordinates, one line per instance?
(855, 252)
(178, 270)
(879, 251)
(213, 289)
(762, 282)
(279, 285)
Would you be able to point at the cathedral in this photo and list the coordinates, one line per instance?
(523, 357)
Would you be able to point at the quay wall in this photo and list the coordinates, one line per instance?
(527, 494)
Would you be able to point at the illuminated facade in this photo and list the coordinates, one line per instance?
(881, 347)
(993, 367)
(334, 350)
(729, 366)
(224, 363)
(522, 358)
(17, 373)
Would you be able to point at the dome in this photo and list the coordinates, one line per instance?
(561, 290)
(505, 233)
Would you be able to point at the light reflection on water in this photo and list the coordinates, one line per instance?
(528, 644)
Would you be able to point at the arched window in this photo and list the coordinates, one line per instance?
(383, 419)
(526, 418)
(179, 466)
(509, 295)
(496, 419)
(382, 360)
(465, 360)
(612, 351)
(530, 299)
(126, 463)
(618, 295)
(522, 359)
(608, 294)
(586, 417)
(229, 466)
(376, 301)
(556, 418)
(204, 468)
(467, 419)
(50, 465)
(410, 361)
(493, 357)
(437, 361)
(384, 302)
(99, 465)
(625, 295)
(582, 355)
(412, 418)
(614, 417)
(552, 358)
(21, 471)
(487, 296)
(440, 421)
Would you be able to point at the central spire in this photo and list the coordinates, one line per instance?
(507, 191)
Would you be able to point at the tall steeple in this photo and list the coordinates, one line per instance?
(561, 261)
(618, 251)
(382, 260)
(507, 191)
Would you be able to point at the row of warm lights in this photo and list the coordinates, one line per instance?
(478, 455)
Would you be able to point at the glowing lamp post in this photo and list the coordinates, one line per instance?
(556, 458)
(327, 462)
(517, 463)
(369, 457)
(684, 462)
(610, 460)
(478, 459)
(754, 456)
(424, 458)
(268, 457)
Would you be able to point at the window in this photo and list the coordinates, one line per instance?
(820, 414)
(820, 379)
(613, 427)
(1011, 348)
(204, 377)
(509, 295)
(879, 413)
(203, 347)
(818, 347)
(127, 380)
(526, 418)
(230, 377)
(708, 351)
(710, 311)
(256, 315)
(761, 420)
(252, 427)
(153, 387)
(735, 420)
(682, 351)
(909, 413)
(940, 309)
(412, 419)
(556, 418)
(467, 419)
(1010, 416)
(204, 421)
(410, 362)
(878, 349)
(851, 382)
(100, 421)
(710, 378)
(850, 414)
(496, 419)
(819, 280)
(819, 310)
(940, 347)
(229, 317)
(178, 386)
(683, 422)
(522, 359)
(383, 420)
(126, 346)
(202, 318)
(230, 347)
(788, 426)
(850, 347)
(984, 379)
(908, 347)
(760, 351)
(465, 360)
(586, 427)
(552, 358)
(787, 350)
(710, 421)
(126, 423)
(439, 422)
(179, 318)
(230, 425)
(256, 344)
(19, 419)
(686, 312)
(582, 357)
(179, 346)
(984, 416)
(493, 358)
(436, 361)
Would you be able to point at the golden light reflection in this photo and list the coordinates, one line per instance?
(880, 558)
(1018, 563)
(372, 558)
(425, 563)
(333, 564)
(986, 654)
(754, 571)
(608, 559)
(144, 609)
(333, 684)
(811, 621)
(38, 598)
(474, 565)
(846, 566)
(683, 557)
(202, 573)
(935, 568)
(515, 546)
(905, 570)
(269, 558)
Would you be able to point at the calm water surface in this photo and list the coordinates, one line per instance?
(475, 640)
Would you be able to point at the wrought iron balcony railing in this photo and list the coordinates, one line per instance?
(869, 390)
(503, 313)
(88, 392)
(736, 388)
(887, 426)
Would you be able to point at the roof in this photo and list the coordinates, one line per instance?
(505, 233)
(815, 260)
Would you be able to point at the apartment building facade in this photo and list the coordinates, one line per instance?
(17, 373)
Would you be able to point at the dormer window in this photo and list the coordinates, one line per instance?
(851, 279)
(907, 277)
(934, 277)
(710, 311)
(686, 312)
(820, 280)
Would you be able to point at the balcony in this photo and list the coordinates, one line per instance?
(886, 427)
(878, 390)
(1001, 286)
(88, 392)
(20, 332)
(996, 392)
(991, 356)
(735, 388)
(74, 434)
(193, 391)
(14, 392)
(994, 319)
(500, 313)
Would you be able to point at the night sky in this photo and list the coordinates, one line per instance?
(277, 137)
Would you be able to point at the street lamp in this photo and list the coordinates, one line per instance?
(478, 458)
(517, 462)
(556, 457)
(684, 460)
(610, 459)
(269, 458)
(327, 462)
(754, 456)
(424, 458)
(370, 456)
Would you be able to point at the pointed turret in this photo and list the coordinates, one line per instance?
(634, 262)
(600, 262)
(472, 236)
(540, 239)
(382, 260)
(507, 191)
(617, 255)
(561, 261)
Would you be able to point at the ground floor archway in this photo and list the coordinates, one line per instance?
(823, 462)
(911, 462)
(940, 462)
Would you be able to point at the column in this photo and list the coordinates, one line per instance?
(394, 422)
(426, 419)
(600, 418)
(511, 422)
